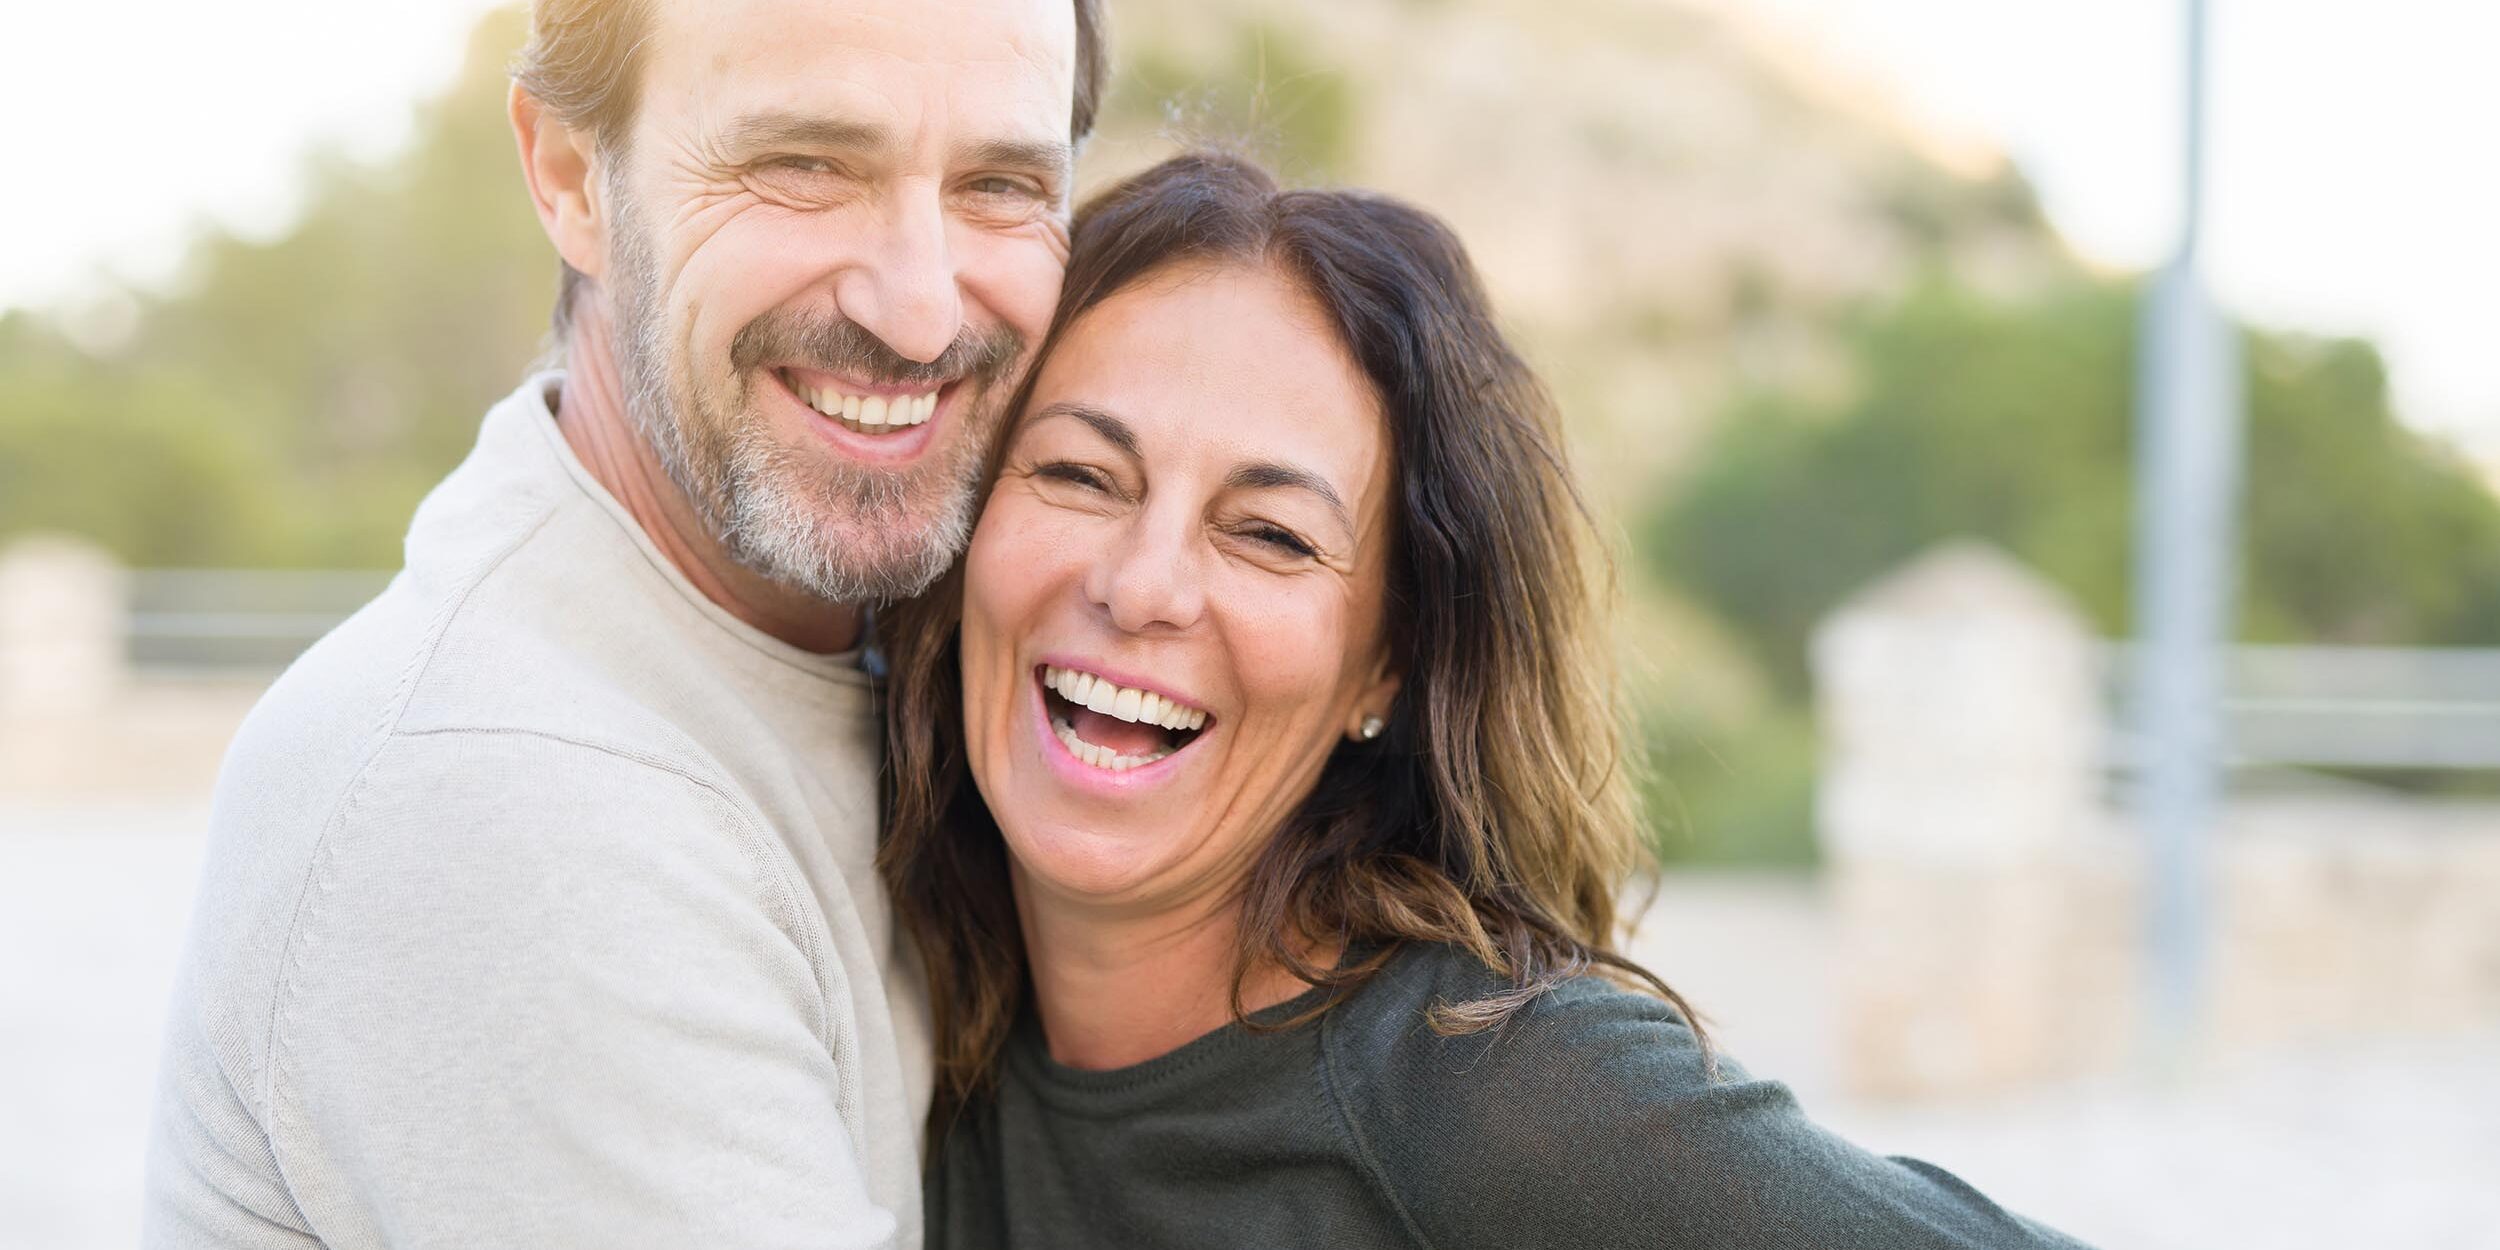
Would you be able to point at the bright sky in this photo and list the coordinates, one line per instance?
(128, 124)
(2353, 185)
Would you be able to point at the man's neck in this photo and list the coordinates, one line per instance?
(591, 413)
(1115, 990)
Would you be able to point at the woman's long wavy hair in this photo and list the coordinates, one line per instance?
(1496, 812)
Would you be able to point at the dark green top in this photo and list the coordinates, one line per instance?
(1586, 1121)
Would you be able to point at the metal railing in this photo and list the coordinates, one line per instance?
(2345, 707)
(236, 621)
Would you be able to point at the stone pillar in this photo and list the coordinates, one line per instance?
(61, 626)
(1961, 721)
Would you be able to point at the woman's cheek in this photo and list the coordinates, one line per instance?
(1005, 548)
(1293, 648)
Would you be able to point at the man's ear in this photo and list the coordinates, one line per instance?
(560, 166)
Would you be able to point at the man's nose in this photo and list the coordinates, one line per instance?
(1149, 578)
(902, 288)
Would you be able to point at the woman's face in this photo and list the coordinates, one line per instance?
(1173, 602)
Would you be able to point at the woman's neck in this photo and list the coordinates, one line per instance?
(1115, 989)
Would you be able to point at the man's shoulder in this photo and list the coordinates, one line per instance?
(477, 651)
(443, 736)
(514, 576)
(574, 778)
(511, 812)
(342, 791)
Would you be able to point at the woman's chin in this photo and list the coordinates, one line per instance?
(1085, 865)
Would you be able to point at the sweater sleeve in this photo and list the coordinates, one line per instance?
(1589, 1121)
(539, 993)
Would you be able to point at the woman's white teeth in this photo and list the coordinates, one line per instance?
(1142, 707)
(1100, 756)
(870, 414)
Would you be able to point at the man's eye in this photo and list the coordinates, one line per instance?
(798, 181)
(1003, 198)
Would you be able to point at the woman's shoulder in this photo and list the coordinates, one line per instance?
(1593, 1115)
(1545, 1129)
(1570, 1065)
(1584, 1032)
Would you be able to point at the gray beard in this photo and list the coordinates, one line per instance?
(840, 532)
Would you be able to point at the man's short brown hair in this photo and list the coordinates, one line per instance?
(583, 62)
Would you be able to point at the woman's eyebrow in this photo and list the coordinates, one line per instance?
(1251, 475)
(1268, 474)
(1113, 430)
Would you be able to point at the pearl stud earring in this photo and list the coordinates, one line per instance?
(1372, 725)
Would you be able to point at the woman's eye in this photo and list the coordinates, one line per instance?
(1077, 474)
(1282, 540)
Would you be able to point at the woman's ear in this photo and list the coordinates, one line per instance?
(1370, 718)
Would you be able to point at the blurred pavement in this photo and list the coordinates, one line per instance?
(2392, 1145)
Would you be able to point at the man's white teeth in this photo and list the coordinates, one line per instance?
(1098, 756)
(870, 414)
(1142, 707)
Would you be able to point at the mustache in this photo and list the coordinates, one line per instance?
(835, 344)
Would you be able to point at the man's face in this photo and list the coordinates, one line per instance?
(835, 232)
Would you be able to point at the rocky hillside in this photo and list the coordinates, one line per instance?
(1664, 204)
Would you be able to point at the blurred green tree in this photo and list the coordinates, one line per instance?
(290, 401)
(2012, 422)
(1264, 89)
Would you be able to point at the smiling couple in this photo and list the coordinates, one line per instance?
(1224, 855)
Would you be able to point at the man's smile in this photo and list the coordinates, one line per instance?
(863, 408)
(912, 417)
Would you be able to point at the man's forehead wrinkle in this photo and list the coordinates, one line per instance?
(736, 38)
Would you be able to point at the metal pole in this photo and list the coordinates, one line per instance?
(2187, 489)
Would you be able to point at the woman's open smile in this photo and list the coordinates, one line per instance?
(1122, 733)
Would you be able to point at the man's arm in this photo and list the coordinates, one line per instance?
(544, 993)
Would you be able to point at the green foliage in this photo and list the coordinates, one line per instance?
(1731, 794)
(2013, 423)
(294, 399)
(146, 462)
(2358, 532)
(1267, 91)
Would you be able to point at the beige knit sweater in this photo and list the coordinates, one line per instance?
(540, 910)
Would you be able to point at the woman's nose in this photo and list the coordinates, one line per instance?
(1149, 578)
